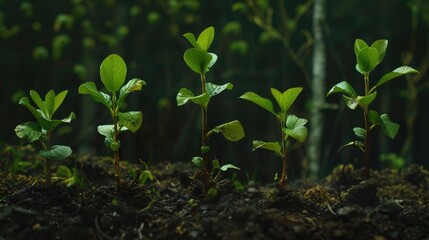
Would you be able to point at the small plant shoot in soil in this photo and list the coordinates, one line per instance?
(42, 129)
(113, 71)
(200, 61)
(290, 125)
(367, 58)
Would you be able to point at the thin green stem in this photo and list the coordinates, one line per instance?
(115, 139)
(204, 155)
(367, 130)
(47, 146)
(283, 177)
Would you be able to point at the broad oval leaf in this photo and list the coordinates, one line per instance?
(49, 104)
(272, 146)
(344, 88)
(396, 73)
(51, 124)
(113, 71)
(213, 89)
(35, 112)
(131, 120)
(350, 102)
(232, 131)
(29, 131)
(381, 46)
(205, 38)
(228, 166)
(359, 45)
(37, 99)
(364, 101)
(295, 128)
(260, 101)
(131, 86)
(191, 38)
(91, 89)
(57, 152)
(389, 128)
(359, 132)
(185, 95)
(106, 130)
(373, 117)
(198, 60)
(367, 59)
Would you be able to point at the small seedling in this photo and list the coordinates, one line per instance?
(367, 58)
(113, 71)
(200, 61)
(42, 129)
(290, 125)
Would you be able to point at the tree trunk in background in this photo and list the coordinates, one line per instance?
(318, 90)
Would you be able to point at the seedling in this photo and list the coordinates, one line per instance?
(290, 125)
(200, 61)
(113, 71)
(367, 58)
(42, 129)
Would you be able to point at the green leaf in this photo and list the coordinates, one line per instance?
(113, 71)
(357, 144)
(396, 73)
(26, 103)
(51, 124)
(37, 100)
(131, 120)
(29, 131)
(366, 100)
(373, 117)
(57, 152)
(344, 88)
(212, 61)
(59, 99)
(215, 164)
(359, 132)
(198, 60)
(114, 146)
(213, 89)
(131, 86)
(191, 38)
(63, 172)
(205, 38)
(389, 128)
(197, 161)
(272, 146)
(232, 131)
(228, 166)
(295, 128)
(49, 104)
(287, 98)
(106, 130)
(260, 101)
(381, 46)
(367, 59)
(359, 44)
(100, 97)
(185, 95)
(350, 102)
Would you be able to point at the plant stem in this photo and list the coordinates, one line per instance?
(204, 132)
(283, 177)
(47, 146)
(116, 139)
(367, 130)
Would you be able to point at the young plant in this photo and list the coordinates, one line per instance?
(290, 125)
(113, 71)
(200, 61)
(42, 129)
(367, 58)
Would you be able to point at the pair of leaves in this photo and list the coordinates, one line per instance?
(350, 97)
(284, 100)
(368, 57)
(198, 58)
(202, 100)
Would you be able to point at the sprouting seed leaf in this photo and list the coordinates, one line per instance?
(359, 132)
(51, 124)
(59, 99)
(260, 101)
(29, 131)
(185, 95)
(357, 144)
(359, 45)
(367, 59)
(198, 60)
(232, 131)
(113, 71)
(131, 86)
(57, 152)
(344, 88)
(100, 97)
(131, 120)
(228, 166)
(381, 46)
(396, 73)
(205, 38)
(213, 89)
(295, 128)
(364, 101)
(191, 38)
(272, 146)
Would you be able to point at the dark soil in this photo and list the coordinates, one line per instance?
(390, 205)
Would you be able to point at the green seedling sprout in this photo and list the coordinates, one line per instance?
(367, 58)
(42, 129)
(200, 61)
(113, 71)
(290, 125)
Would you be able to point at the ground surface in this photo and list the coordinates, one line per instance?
(390, 205)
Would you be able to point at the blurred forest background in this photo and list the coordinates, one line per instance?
(51, 44)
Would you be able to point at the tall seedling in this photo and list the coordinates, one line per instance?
(42, 129)
(200, 61)
(113, 71)
(367, 58)
(290, 125)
